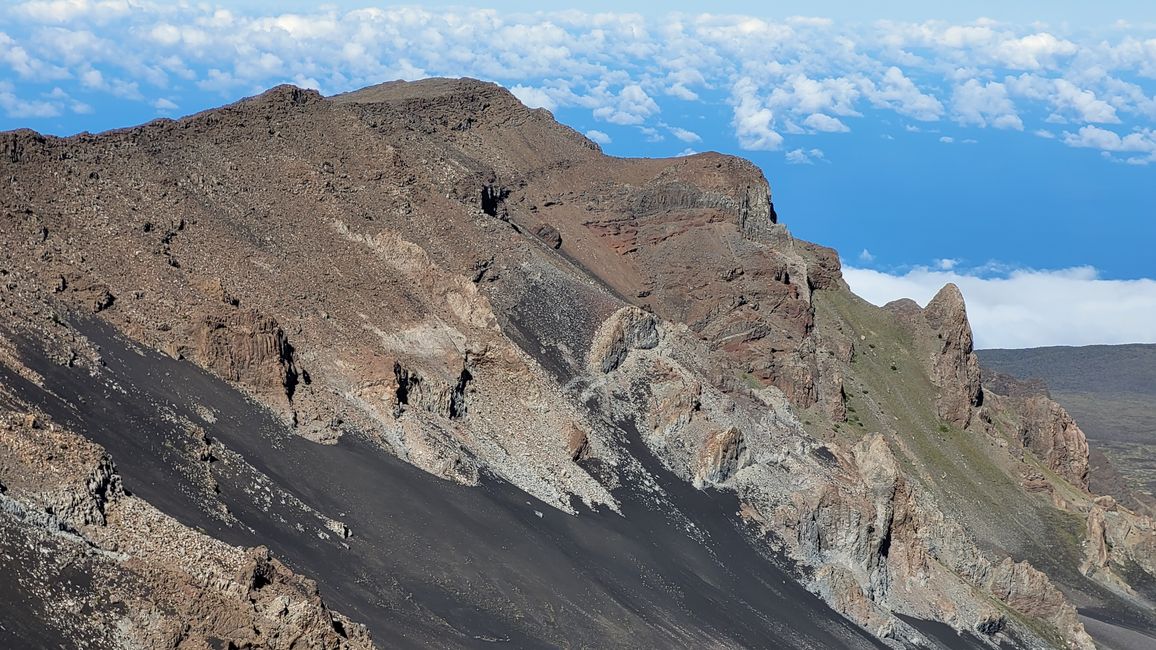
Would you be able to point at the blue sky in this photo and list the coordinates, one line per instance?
(1008, 149)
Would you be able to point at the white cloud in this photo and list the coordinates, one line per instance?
(164, 105)
(66, 10)
(803, 95)
(1029, 308)
(866, 257)
(1044, 133)
(946, 139)
(985, 105)
(797, 75)
(1065, 98)
(598, 136)
(680, 91)
(825, 123)
(684, 134)
(899, 93)
(1141, 142)
(651, 134)
(1083, 103)
(803, 156)
(24, 64)
(630, 106)
(1034, 51)
(753, 122)
(17, 107)
(534, 97)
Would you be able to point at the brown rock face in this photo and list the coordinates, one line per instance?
(955, 369)
(1028, 590)
(245, 347)
(549, 235)
(1051, 434)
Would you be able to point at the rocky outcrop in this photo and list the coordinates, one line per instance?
(824, 269)
(1029, 591)
(174, 587)
(243, 346)
(729, 185)
(955, 369)
(1053, 436)
(628, 329)
(549, 235)
(445, 398)
(1120, 549)
(722, 454)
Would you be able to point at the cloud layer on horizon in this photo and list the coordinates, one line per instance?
(782, 84)
(1025, 308)
(781, 79)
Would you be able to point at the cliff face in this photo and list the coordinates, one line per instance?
(432, 272)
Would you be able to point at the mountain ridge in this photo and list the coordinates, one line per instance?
(1109, 390)
(432, 272)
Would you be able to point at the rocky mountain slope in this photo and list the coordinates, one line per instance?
(1111, 391)
(417, 366)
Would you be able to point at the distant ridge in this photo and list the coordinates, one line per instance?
(1110, 390)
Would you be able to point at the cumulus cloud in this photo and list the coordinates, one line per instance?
(1034, 51)
(1028, 308)
(899, 93)
(753, 122)
(598, 136)
(15, 106)
(685, 135)
(631, 106)
(680, 91)
(1065, 98)
(1083, 103)
(985, 104)
(1142, 142)
(803, 95)
(65, 10)
(534, 97)
(796, 76)
(803, 156)
(825, 123)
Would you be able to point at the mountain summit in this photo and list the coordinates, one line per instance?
(418, 366)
